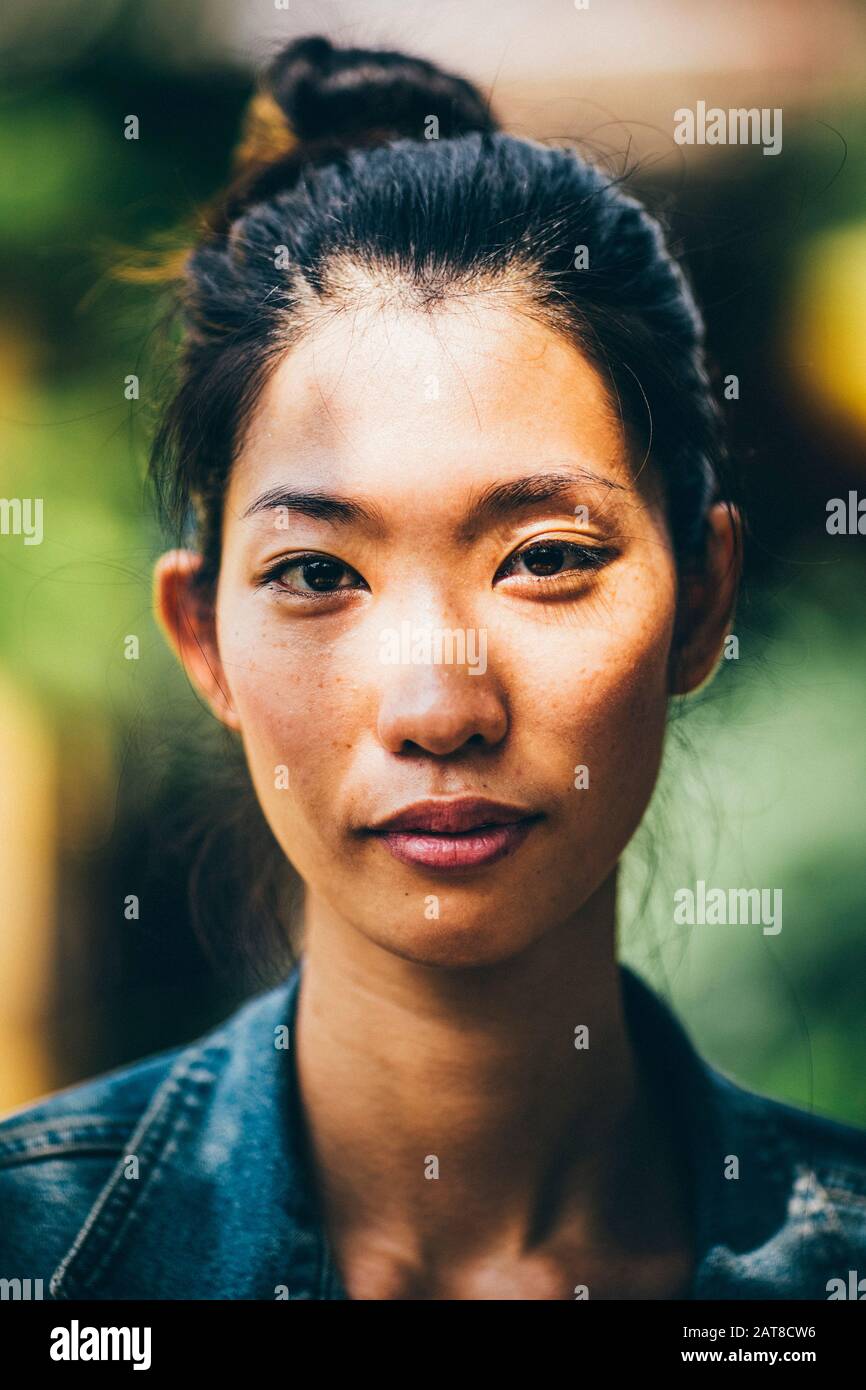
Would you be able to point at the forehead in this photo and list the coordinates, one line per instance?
(406, 400)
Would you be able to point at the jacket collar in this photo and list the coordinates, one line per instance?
(764, 1225)
(215, 1196)
(221, 1201)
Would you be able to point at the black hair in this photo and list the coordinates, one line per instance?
(387, 163)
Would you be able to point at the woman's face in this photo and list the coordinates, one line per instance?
(411, 434)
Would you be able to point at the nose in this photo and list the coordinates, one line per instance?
(439, 709)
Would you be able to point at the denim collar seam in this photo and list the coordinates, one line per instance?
(66, 1139)
(100, 1237)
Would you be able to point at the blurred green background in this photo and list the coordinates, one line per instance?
(103, 756)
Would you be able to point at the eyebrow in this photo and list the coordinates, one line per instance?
(497, 502)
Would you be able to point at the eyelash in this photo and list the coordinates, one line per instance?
(271, 577)
(592, 558)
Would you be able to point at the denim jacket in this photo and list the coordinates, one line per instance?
(188, 1175)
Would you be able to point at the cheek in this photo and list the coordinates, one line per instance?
(624, 725)
(295, 709)
(595, 696)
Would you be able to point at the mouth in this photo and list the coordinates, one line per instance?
(463, 834)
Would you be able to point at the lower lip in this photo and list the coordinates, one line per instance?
(468, 850)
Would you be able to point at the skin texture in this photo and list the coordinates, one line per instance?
(438, 1011)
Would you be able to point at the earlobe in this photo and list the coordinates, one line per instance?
(707, 604)
(187, 618)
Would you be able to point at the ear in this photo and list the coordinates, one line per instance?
(706, 604)
(187, 617)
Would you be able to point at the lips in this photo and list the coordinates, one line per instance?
(466, 833)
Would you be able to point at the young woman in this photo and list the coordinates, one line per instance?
(461, 531)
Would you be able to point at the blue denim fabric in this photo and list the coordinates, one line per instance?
(224, 1204)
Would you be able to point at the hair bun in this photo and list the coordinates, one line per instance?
(317, 102)
(348, 94)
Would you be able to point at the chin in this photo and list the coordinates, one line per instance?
(447, 946)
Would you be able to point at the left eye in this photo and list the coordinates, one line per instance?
(549, 559)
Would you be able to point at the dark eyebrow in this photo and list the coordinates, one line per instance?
(321, 506)
(495, 503)
(500, 501)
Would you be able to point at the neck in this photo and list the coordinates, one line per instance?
(451, 1108)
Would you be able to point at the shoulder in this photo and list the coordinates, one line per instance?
(807, 1138)
(793, 1224)
(64, 1156)
(779, 1191)
(57, 1153)
(129, 1169)
(69, 1118)
(827, 1168)
(94, 1116)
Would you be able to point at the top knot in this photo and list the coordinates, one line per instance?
(317, 102)
(345, 94)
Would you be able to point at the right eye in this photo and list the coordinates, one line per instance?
(313, 576)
